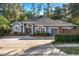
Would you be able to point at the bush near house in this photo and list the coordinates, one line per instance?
(66, 38)
(40, 34)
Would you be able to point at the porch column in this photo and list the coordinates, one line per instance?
(23, 28)
(50, 30)
(32, 29)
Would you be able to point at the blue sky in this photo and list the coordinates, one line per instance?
(28, 5)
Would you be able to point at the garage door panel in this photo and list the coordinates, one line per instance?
(53, 31)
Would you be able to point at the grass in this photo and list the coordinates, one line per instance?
(70, 50)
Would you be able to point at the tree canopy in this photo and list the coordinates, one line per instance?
(11, 11)
(17, 11)
(4, 23)
(4, 26)
(74, 11)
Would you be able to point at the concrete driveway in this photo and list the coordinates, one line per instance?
(15, 46)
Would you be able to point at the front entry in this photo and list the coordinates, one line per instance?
(27, 30)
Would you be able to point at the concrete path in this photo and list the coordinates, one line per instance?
(66, 45)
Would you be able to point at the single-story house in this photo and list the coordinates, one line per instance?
(47, 25)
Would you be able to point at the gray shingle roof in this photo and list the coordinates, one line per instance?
(49, 22)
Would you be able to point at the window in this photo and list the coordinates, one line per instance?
(40, 29)
(17, 27)
(43, 29)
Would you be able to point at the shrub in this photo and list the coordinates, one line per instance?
(66, 38)
(40, 34)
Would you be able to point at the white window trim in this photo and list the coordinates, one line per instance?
(18, 28)
(38, 28)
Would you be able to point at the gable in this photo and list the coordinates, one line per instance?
(16, 23)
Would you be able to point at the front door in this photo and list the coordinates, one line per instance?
(28, 31)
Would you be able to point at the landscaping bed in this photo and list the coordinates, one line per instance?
(70, 50)
(40, 34)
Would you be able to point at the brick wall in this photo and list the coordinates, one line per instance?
(68, 31)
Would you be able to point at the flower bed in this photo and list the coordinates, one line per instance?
(40, 34)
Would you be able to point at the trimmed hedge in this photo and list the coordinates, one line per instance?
(40, 34)
(66, 38)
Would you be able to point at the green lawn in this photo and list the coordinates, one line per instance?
(70, 50)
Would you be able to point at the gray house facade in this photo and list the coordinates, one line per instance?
(40, 25)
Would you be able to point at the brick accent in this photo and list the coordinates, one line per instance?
(60, 29)
(69, 31)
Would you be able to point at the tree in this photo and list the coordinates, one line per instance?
(47, 10)
(33, 10)
(28, 14)
(74, 10)
(4, 25)
(44, 12)
(66, 13)
(11, 11)
(39, 9)
(57, 13)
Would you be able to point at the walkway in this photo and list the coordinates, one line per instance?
(66, 45)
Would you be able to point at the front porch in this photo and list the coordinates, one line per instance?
(31, 28)
(27, 28)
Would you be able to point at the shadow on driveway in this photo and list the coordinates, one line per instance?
(40, 50)
(46, 49)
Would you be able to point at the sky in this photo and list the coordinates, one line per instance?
(28, 5)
